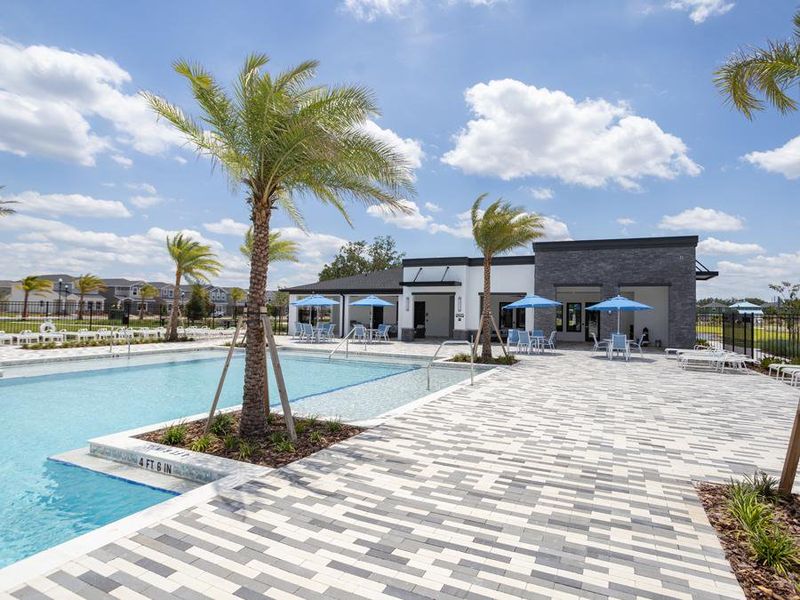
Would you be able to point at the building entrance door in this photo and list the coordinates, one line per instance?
(419, 319)
(592, 322)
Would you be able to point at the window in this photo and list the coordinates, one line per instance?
(559, 318)
(573, 316)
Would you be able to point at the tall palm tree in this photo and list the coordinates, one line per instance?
(772, 72)
(499, 229)
(194, 261)
(279, 137)
(279, 250)
(33, 285)
(5, 206)
(146, 292)
(87, 284)
(237, 295)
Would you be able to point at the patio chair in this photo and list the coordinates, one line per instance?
(619, 343)
(6, 338)
(513, 337)
(309, 334)
(550, 342)
(298, 331)
(599, 346)
(382, 332)
(26, 337)
(638, 345)
(330, 332)
(538, 333)
(360, 332)
(524, 342)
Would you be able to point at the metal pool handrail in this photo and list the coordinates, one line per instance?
(346, 341)
(454, 343)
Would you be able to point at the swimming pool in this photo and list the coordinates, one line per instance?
(52, 409)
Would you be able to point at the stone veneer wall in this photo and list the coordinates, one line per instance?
(613, 268)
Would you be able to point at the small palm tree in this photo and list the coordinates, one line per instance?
(772, 72)
(497, 230)
(280, 137)
(194, 261)
(146, 292)
(5, 206)
(33, 285)
(279, 250)
(87, 284)
(237, 295)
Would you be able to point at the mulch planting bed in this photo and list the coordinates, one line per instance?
(758, 581)
(312, 435)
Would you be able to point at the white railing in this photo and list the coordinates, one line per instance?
(454, 343)
(346, 341)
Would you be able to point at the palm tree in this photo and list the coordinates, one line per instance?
(194, 261)
(771, 72)
(497, 230)
(87, 284)
(5, 209)
(33, 285)
(279, 137)
(237, 295)
(146, 292)
(279, 250)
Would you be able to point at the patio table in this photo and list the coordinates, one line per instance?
(610, 349)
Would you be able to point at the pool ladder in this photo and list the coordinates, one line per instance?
(454, 343)
(346, 341)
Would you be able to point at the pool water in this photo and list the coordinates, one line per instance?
(44, 502)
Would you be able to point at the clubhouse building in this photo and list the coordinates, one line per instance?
(443, 297)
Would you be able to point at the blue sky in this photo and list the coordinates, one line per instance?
(601, 116)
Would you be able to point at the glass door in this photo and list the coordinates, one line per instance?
(592, 322)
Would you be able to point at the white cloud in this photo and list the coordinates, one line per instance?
(700, 10)
(712, 245)
(180, 160)
(49, 97)
(227, 226)
(146, 201)
(74, 205)
(625, 221)
(752, 276)
(461, 229)
(554, 230)
(701, 219)
(541, 193)
(142, 187)
(408, 148)
(433, 207)
(784, 160)
(123, 161)
(413, 219)
(520, 130)
(369, 10)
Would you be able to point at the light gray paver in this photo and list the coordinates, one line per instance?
(566, 476)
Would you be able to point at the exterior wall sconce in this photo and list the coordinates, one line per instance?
(408, 303)
(459, 304)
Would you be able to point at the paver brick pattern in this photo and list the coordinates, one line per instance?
(566, 476)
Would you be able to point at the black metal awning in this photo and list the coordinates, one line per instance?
(702, 273)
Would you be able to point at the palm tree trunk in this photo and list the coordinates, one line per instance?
(80, 307)
(486, 315)
(25, 306)
(172, 331)
(253, 420)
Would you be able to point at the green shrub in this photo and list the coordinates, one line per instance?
(334, 425)
(505, 360)
(312, 419)
(174, 435)
(776, 549)
(315, 437)
(202, 444)
(300, 426)
(461, 357)
(747, 508)
(230, 442)
(272, 418)
(245, 451)
(701, 342)
(765, 486)
(284, 446)
(222, 424)
(276, 437)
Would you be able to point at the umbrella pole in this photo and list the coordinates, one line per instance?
(618, 311)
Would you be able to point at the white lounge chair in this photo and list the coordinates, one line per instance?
(26, 337)
(6, 338)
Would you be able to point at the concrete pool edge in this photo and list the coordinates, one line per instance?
(42, 562)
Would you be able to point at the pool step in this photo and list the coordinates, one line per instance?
(83, 459)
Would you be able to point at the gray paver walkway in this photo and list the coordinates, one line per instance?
(564, 477)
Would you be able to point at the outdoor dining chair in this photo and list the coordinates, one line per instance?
(638, 345)
(599, 346)
(524, 342)
(619, 343)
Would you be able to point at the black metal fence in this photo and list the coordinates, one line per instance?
(757, 336)
(19, 316)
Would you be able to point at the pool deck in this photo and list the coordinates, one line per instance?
(566, 476)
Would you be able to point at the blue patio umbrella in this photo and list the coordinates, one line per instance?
(372, 302)
(315, 301)
(532, 301)
(619, 304)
